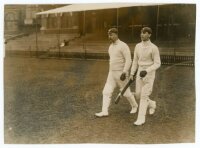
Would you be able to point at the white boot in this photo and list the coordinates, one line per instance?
(102, 114)
(152, 107)
(140, 120)
(105, 106)
(133, 110)
(142, 112)
(133, 103)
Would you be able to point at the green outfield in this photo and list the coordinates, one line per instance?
(54, 101)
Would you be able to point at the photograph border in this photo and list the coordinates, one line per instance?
(197, 73)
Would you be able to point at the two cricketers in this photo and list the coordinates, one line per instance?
(145, 63)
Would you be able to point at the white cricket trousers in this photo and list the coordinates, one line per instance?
(113, 80)
(144, 87)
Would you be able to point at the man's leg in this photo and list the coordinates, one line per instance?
(138, 88)
(151, 106)
(128, 94)
(142, 107)
(130, 97)
(107, 94)
(144, 99)
(151, 103)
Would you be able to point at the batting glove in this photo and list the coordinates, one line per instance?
(123, 76)
(143, 73)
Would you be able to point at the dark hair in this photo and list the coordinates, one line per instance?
(113, 30)
(147, 29)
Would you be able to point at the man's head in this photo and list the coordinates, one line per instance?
(113, 34)
(145, 33)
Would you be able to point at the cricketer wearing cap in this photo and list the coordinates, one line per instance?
(119, 66)
(147, 61)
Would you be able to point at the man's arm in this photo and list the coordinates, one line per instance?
(135, 62)
(156, 59)
(127, 55)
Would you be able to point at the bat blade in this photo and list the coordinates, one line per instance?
(118, 98)
(123, 91)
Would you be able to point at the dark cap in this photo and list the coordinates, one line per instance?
(146, 29)
(113, 30)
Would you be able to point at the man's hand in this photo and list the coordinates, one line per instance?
(143, 73)
(123, 76)
(132, 77)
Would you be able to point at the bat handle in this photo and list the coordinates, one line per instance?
(118, 98)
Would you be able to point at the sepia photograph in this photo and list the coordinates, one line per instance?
(99, 73)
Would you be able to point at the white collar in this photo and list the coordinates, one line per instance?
(146, 43)
(116, 42)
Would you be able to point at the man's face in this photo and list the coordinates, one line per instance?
(145, 36)
(112, 37)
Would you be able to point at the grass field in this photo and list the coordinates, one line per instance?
(54, 101)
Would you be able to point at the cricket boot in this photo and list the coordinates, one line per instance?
(142, 112)
(152, 107)
(105, 106)
(132, 102)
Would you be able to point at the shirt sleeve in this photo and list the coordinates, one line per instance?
(127, 55)
(156, 60)
(135, 62)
